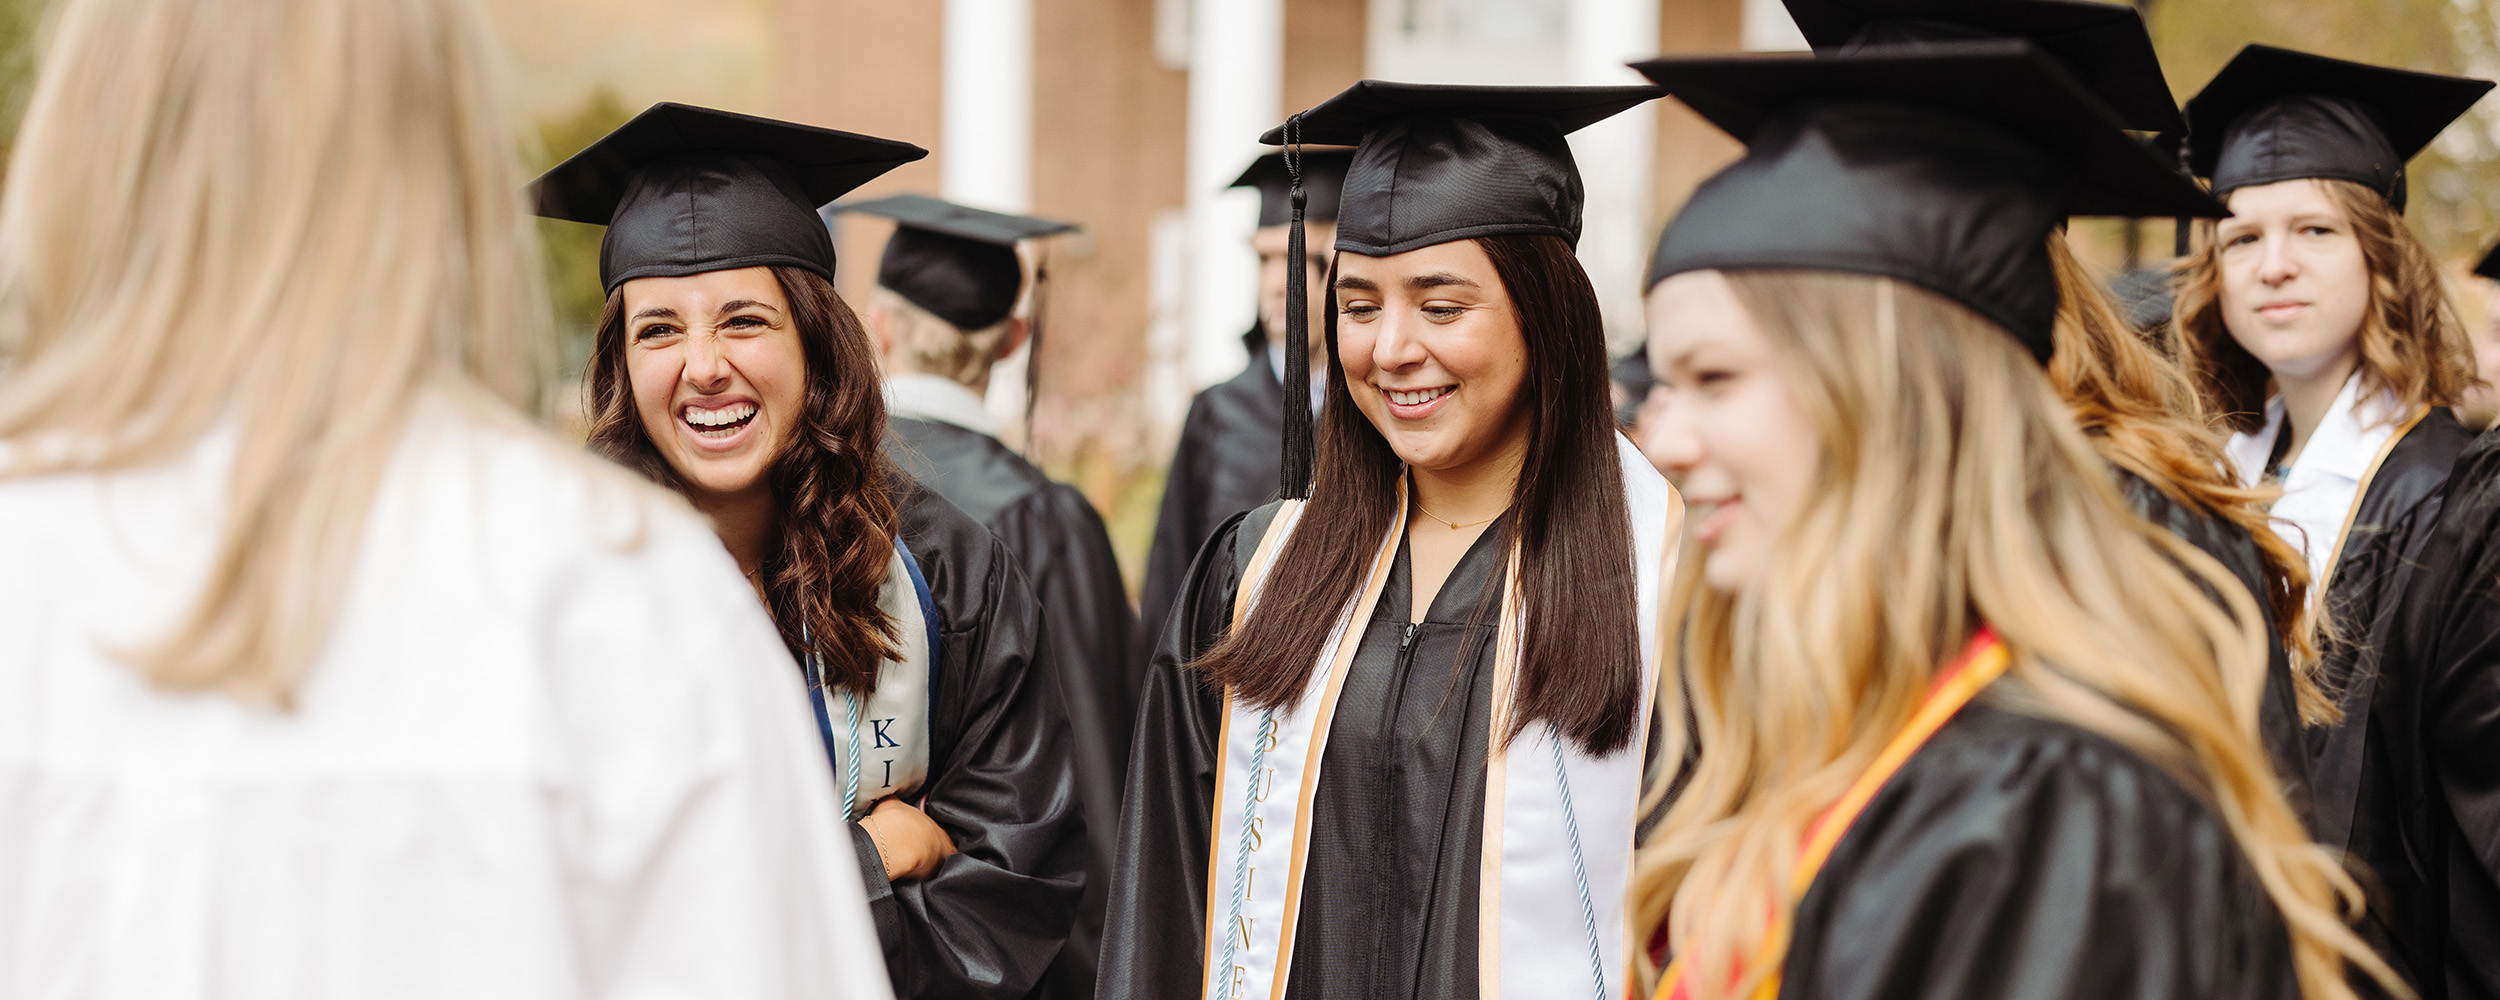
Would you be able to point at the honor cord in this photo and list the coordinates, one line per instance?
(1241, 858)
(1580, 874)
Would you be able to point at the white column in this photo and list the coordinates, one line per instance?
(1236, 82)
(1615, 158)
(985, 152)
(1768, 28)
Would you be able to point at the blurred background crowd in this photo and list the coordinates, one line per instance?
(1157, 104)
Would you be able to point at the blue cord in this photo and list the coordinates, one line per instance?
(1241, 858)
(850, 761)
(1580, 874)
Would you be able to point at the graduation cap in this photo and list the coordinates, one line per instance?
(2104, 45)
(1945, 166)
(2277, 115)
(1323, 179)
(959, 263)
(684, 190)
(2490, 267)
(1433, 163)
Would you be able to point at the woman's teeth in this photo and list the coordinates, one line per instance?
(721, 422)
(1418, 396)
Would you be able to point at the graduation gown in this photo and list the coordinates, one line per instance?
(2409, 783)
(1391, 891)
(2017, 858)
(1001, 780)
(1229, 459)
(2278, 711)
(1059, 542)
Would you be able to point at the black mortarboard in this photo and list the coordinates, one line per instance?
(2278, 115)
(1323, 179)
(1433, 163)
(2104, 45)
(2490, 267)
(684, 190)
(1441, 162)
(1945, 166)
(956, 262)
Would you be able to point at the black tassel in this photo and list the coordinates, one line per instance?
(1300, 458)
(1033, 355)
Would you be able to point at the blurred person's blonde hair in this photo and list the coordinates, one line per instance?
(2139, 408)
(1960, 494)
(933, 346)
(295, 216)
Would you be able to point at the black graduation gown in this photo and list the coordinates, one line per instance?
(2278, 711)
(2409, 783)
(1229, 459)
(1059, 542)
(1001, 784)
(2016, 858)
(1390, 889)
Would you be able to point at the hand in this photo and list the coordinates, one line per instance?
(908, 841)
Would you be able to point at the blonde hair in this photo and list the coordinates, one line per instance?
(2412, 343)
(294, 216)
(936, 347)
(2141, 412)
(1933, 525)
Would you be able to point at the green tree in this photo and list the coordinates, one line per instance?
(572, 248)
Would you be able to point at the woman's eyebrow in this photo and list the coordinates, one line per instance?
(1440, 279)
(655, 312)
(736, 304)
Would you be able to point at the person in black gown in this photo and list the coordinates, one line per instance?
(1390, 744)
(1951, 720)
(2137, 405)
(1226, 461)
(945, 311)
(2309, 153)
(725, 366)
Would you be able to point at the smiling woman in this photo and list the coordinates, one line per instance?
(1419, 695)
(726, 367)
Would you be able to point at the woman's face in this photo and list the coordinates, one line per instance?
(1434, 355)
(718, 374)
(1726, 426)
(2294, 284)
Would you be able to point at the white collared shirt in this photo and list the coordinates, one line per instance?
(1319, 376)
(936, 397)
(2322, 483)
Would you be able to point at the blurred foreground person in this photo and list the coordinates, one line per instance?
(1226, 461)
(2481, 408)
(2137, 407)
(322, 673)
(726, 366)
(945, 310)
(1390, 745)
(1953, 722)
(2322, 331)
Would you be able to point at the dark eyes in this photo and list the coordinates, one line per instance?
(655, 330)
(1359, 311)
(1443, 314)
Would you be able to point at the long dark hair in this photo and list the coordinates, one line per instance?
(1580, 669)
(837, 523)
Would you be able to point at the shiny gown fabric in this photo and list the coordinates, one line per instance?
(991, 919)
(2408, 784)
(2278, 713)
(1230, 456)
(1059, 542)
(2023, 859)
(1390, 892)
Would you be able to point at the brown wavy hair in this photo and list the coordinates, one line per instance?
(837, 522)
(1578, 673)
(2140, 410)
(2411, 340)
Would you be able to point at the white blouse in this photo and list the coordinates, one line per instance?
(2325, 479)
(552, 748)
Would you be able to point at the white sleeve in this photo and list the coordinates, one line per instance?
(707, 856)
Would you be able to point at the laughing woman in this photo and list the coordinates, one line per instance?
(725, 367)
(1962, 725)
(1391, 744)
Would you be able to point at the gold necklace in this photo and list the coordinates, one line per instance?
(1454, 526)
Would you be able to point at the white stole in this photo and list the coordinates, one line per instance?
(886, 738)
(1534, 933)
